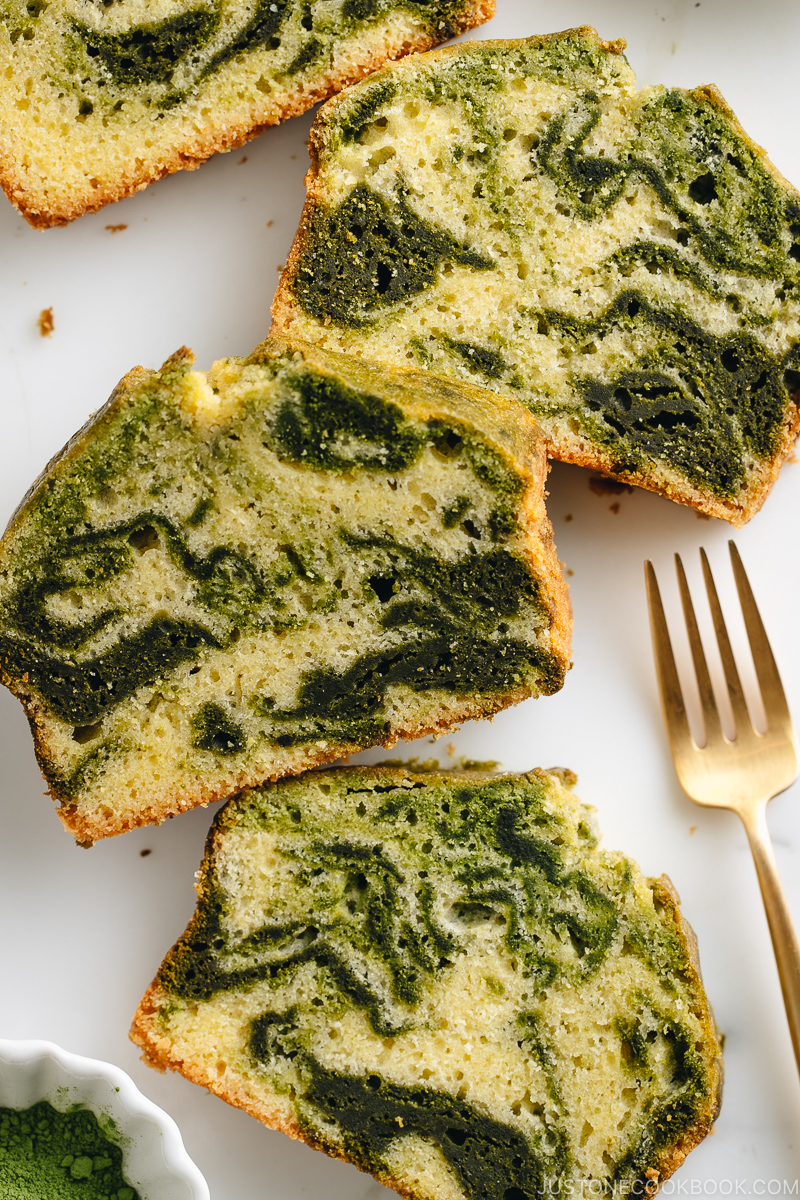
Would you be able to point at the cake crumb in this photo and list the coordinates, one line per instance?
(412, 764)
(569, 517)
(614, 508)
(692, 829)
(144, 853)
(46, 324)
(116, 228)
(242, 160)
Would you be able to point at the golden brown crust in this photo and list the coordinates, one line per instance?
(191, 152)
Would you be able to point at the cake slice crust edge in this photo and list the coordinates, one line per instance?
(161, 1051)
(565, 444)
(516, 441)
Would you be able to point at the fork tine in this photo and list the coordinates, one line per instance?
(769, 680)
(669, 685)
(741, 716)
(708, 703)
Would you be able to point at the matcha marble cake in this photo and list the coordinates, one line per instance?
(441, 979)
(227, 578)
(626, 263)
(100, 98)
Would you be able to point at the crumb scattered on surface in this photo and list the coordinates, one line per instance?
(614, 508)
(46, 323)
(608, 487)
(570, 571)
(242, 160)
(144, 853)
(270, 224)
(692, 829)
(116, 228)
(569, 517)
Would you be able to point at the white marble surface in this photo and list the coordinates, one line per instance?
(82, 932)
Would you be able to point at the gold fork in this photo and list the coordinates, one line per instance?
(743, 774)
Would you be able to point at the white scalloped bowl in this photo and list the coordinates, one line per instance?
(155, 1161)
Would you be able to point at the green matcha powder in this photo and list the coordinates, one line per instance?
(51, 1155)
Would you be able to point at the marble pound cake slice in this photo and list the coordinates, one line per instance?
(626, 263)
(98, 99)
(441, 979)
(229, 578)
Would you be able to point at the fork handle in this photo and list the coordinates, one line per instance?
(784, 938)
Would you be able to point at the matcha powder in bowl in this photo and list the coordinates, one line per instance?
(52, 1155)
(74, 1127)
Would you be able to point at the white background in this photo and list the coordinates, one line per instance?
(82, 932)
